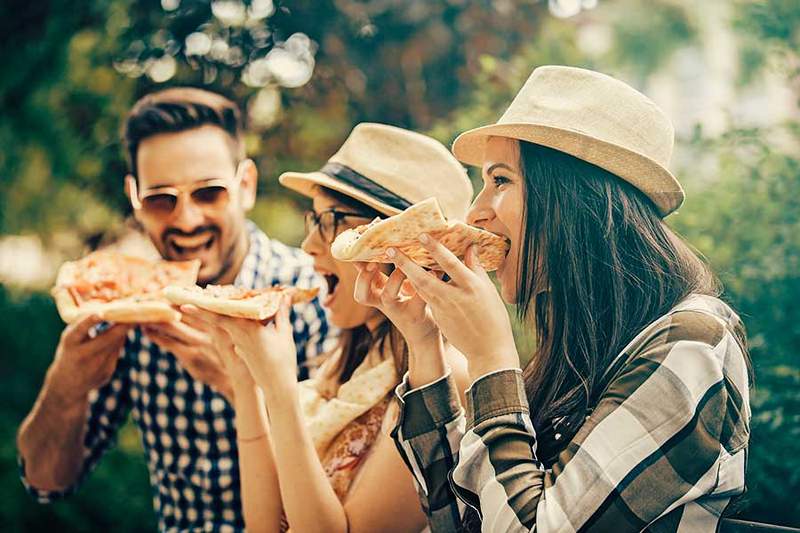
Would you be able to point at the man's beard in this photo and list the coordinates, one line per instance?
(173, 252)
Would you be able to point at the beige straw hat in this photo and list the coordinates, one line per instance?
(390, 169)
(595, 118)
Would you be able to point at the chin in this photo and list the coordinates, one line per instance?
(207, 275)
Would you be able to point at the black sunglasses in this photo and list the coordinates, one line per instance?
(327, 222)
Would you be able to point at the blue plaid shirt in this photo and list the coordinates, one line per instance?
(187, 427)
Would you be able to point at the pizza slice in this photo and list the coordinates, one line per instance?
(370, 242)
(120, 288)
(255, 304)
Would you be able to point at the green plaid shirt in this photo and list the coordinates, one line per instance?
(664, 449)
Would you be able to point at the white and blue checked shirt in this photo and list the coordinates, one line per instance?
(187, 428)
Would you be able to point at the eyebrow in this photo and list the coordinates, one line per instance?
(500, 165)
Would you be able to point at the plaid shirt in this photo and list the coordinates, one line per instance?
(187, 427)
(664, 449)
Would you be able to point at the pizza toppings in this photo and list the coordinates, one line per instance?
(256, 304)
(109, 282)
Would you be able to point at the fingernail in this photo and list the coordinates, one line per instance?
(424, 238)
(391, 252)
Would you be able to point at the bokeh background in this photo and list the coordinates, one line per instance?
(306, 71)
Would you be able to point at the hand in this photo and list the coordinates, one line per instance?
(234, 365)
(267, 350)
(468, 309)
(398, 300)
(82, 363)
(194, 349)
(395, 297)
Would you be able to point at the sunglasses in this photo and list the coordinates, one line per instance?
(327, 222)
(209, 195)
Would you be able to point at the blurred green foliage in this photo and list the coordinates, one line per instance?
(437, 66)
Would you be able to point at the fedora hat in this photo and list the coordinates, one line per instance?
(595, 118)
(390, 169)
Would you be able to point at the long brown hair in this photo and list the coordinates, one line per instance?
(355, 343)
(606, 267)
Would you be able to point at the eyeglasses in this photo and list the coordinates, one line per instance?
(209, 195)
(327, 222)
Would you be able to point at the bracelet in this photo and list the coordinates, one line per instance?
(250, 439)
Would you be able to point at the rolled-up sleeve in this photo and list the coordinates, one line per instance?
(427, 434)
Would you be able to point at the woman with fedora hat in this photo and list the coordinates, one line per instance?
(317, 455)
(633, 412)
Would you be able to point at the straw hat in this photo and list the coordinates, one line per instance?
(595, 118)
(389, 169)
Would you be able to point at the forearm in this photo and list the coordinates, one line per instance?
(309, 500)
(261, 498)
(426, 361)
(50, 439)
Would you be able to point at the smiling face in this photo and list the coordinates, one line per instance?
(344, 311)
(197, 228)
(500, 206)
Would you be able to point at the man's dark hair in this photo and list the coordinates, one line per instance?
(181, 109)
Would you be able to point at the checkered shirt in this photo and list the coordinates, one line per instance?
(187, 427)
(664, 449)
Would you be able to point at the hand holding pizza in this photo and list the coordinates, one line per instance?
(467, 308)
(268, 350)
(82, 362)
(234, 366)
(398, 300)
(194, 349)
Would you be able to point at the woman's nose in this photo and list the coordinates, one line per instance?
(480, 212)
(312, 244)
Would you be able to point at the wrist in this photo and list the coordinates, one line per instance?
(66, 396)
(281, 391)
(65, 393)
(477, 368)
(426, 362)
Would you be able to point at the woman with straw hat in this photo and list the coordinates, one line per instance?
(633, 411)
(323, 459)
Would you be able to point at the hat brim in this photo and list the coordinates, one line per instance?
(305, 183)
(640, 171)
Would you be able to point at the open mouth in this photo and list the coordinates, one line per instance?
(188, 246)
(332, 282)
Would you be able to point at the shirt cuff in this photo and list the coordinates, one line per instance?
(496, 394)
(40, 495)
(427, 408)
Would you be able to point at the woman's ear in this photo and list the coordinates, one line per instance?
(249, 184)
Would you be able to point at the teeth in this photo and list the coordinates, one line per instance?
(192, 242)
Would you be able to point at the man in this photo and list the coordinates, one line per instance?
(190, 186)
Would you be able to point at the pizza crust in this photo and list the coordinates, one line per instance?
(125, 312)
(261, 307)
(401, 231)
(135, 309)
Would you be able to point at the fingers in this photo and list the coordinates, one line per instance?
(282, 316)
(111, 337)
(79, 331)
(391, 291)
(427, 286)
(365, 280)
(451, 264)
(180, 331)
(473, 262)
